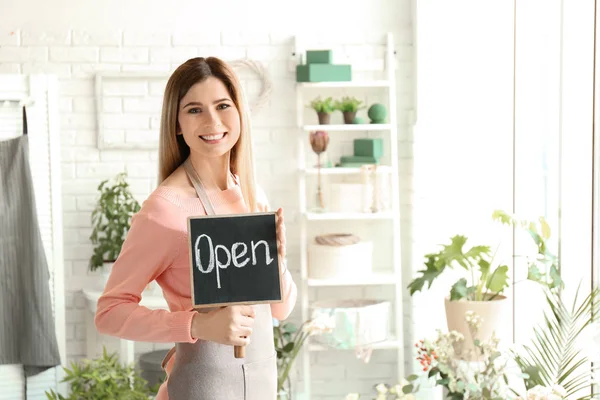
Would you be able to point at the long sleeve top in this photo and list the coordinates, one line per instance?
(156, 248)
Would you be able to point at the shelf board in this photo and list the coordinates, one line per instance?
(343, 170)
(330, 216)
(388, 344)
(373, 279)
(348, 127)
(347, 84)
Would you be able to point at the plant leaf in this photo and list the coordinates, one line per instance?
(460, 290)
(554, 356)
(427, 276)
(498, 281)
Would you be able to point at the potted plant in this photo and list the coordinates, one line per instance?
(481, 290)
(442, 358)
(111, 220)
(104, 379)
(324, 108)
(288, 343)
(349, 106)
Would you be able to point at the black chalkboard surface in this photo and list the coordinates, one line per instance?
(233, 259)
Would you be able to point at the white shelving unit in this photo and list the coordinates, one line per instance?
(304, 93)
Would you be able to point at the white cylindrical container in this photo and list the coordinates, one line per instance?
(327, 262)
(346, 197)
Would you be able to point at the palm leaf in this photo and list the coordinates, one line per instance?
(554, 357)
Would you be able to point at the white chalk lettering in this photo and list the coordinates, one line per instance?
(238, 251)
(211, 262)
(267, 254)
(219, 265)
(236, 255)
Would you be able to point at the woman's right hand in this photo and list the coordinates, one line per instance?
(227, 325)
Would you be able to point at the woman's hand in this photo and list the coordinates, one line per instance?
(227, 325)
(281, 243)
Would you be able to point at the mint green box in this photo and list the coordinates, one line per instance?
(359, 160)
(319, 56)
(368, 147)
(323, 73)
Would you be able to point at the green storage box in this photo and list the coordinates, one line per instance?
(359, 160)
(323, 73)
(368, 147)
(352, 165)
(319, 56)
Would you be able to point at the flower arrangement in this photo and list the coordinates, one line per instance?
(288, 342)
(403, 391)
(539, 392)
(442, 359)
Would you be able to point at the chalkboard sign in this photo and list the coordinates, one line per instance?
(233, 259)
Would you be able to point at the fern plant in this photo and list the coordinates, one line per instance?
(104, 379)
(554, 356)
(111, 219)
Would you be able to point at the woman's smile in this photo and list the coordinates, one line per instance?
(213, 138)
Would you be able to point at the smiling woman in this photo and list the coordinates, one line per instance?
(205, 168)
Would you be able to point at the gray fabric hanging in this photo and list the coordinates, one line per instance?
(27, 328)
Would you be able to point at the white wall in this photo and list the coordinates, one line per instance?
(74, 41)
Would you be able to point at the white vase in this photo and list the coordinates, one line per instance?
(493, 314)
(106, 269)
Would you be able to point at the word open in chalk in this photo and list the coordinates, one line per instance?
(237, 256)
(234, 259)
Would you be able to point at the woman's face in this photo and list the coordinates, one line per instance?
(208, 118)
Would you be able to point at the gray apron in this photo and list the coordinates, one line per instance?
(27, 332)
(209, 371)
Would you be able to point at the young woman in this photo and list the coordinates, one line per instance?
(205, 167)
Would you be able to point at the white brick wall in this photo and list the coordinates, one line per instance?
(75, 55)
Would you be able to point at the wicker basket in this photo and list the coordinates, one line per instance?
(357, 323)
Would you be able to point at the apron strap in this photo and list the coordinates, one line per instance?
(191, 172)
(24, 121)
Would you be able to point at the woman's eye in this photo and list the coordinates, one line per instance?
(195, 110)
(223, 106)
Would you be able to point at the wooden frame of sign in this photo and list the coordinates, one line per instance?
(254, 233)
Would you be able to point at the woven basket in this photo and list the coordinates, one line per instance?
(337, 239)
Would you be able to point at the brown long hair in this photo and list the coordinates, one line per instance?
(173, 150)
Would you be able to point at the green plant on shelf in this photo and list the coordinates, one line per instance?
(323, 105)
(349, 104)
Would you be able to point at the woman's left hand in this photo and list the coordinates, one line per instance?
(281, 240)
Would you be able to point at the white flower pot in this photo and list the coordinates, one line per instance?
(494, 315)
(106, 269)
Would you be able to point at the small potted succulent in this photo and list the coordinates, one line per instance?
(324, 108)
(349, 106)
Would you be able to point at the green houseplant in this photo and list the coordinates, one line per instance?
(324, 108)
(482, 287)
(349, 106)
(556, 357)
(111, 220)
(104, 378)
(288, 342)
